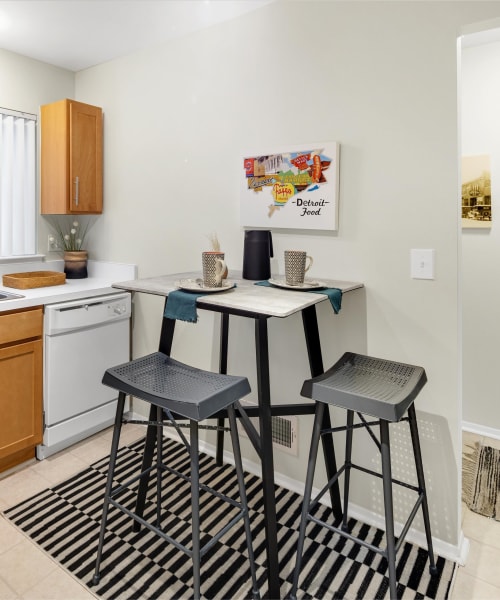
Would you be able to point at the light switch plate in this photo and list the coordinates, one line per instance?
(422, 264)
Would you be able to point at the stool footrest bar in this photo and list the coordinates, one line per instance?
(341, 428)
(326, 487)
(347, 535)
(202, 486)
(409, 521)
(169, 424)
(203, 550)
(149, 526)
(408, 486)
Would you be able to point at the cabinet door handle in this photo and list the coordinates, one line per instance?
(77, 189)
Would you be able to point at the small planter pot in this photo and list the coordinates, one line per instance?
(75, 264)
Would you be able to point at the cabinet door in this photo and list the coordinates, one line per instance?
(21, 398)
(71, 158)
(85, 158)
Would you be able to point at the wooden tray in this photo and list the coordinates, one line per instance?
(33, 279)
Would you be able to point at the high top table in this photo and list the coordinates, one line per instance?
(258, 303)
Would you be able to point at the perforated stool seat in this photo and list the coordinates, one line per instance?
(385, 390)
(178, 391)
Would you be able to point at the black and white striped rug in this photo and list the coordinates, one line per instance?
(64, 521)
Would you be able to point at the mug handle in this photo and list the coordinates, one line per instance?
(220, 268)
(310, 259)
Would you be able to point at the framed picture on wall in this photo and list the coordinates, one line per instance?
(476, 191)
(295, 187)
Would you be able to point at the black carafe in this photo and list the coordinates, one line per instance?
(257, 253)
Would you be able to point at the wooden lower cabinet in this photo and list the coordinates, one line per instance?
(21, 368)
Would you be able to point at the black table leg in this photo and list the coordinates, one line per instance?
(165, 346)
(264, 397)
(311, 331)
(224, 334)
(167, 334)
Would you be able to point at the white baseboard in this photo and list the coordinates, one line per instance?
(481, 430)
(457, 554)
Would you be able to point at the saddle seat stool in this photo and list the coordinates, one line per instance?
(385, 390)
(178, 391)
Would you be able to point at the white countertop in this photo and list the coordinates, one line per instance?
(101, 277)
(246, 296)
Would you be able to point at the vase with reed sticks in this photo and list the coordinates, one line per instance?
(75, 264)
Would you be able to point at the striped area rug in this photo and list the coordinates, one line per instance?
(64, 521)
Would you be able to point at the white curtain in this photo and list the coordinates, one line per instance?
(17, 183)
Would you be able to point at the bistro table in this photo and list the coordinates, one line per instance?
(258, 303)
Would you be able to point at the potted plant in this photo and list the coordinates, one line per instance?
(70, 238)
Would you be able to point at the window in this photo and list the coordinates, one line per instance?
(17, 183)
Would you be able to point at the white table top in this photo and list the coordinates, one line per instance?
(246, 296)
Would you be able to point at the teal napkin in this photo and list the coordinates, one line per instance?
(334, 294)
(182, 306)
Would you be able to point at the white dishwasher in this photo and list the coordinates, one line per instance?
(82, 339)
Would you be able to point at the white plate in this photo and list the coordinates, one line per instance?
(307, 285)
(196, 285)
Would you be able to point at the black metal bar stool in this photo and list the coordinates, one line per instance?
(178, 391)
(385, 390)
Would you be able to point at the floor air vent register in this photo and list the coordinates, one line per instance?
(285, 433)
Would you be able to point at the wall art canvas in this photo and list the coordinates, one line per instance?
(476, 191)
(295, 187)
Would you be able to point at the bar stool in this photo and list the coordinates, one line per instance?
(178, 391)
(385, 390)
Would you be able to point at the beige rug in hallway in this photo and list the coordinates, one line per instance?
(481, 479)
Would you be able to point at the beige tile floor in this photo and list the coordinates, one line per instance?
(27, 573)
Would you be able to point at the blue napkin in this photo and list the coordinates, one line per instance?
(182, 306)
(334, 294)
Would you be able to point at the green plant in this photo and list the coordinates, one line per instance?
(71, 234)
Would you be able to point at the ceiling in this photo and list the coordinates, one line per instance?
(77, 34)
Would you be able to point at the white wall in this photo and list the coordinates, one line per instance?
(25, 84)
(480, 94)
(380, 78)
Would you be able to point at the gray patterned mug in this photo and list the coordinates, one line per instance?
(296, 267)
(213, 269)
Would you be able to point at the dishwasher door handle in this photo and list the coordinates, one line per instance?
(86, 306)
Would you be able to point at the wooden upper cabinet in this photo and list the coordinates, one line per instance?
(71, 158)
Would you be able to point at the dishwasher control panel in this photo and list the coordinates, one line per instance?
(118, 308)
(88, 312)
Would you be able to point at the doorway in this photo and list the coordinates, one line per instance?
(479, 124)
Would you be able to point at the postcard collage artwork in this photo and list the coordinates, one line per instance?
(296, 188)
